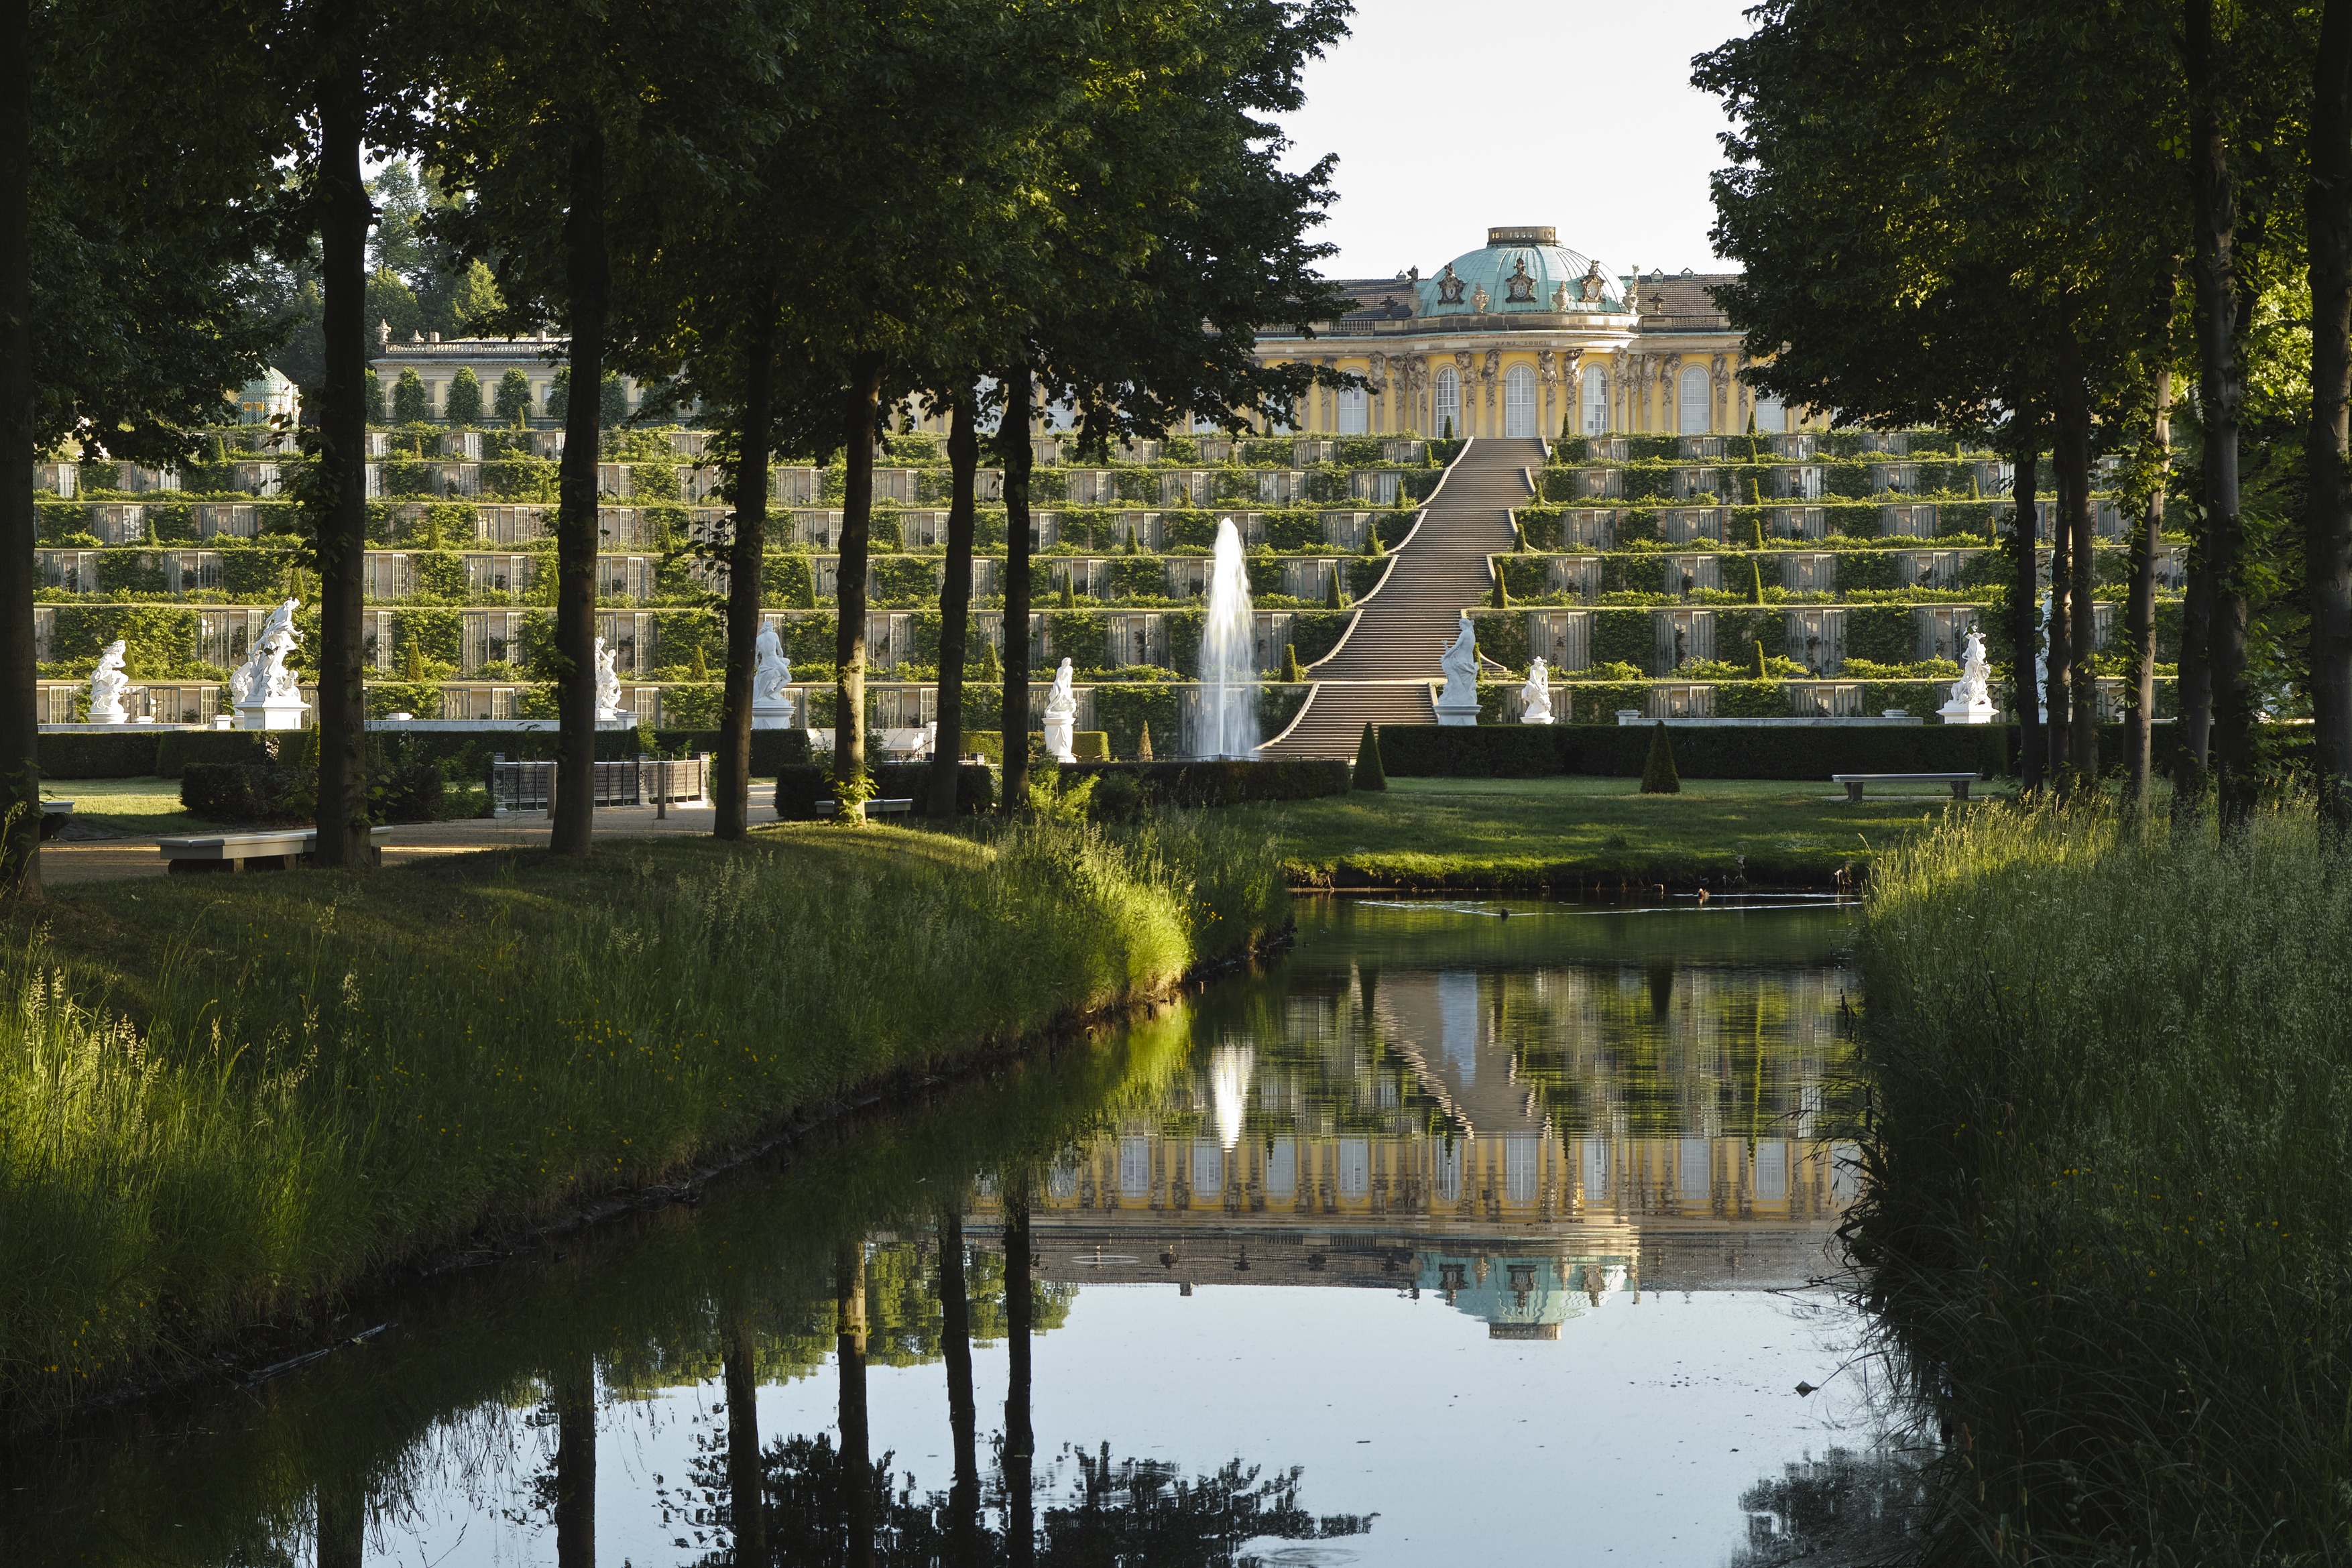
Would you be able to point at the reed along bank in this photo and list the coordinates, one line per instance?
(226, 1102)
(2107, 1228)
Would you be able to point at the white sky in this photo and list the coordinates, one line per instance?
(1452, 115)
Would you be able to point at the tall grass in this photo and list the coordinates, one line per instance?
(224, 1101)
(2109, 1227)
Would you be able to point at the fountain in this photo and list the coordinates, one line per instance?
(1228, 715)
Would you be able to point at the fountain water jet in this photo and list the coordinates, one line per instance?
(1228, 725)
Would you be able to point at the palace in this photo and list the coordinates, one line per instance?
(1524, 338)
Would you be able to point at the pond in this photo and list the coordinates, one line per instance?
(1462, 1228)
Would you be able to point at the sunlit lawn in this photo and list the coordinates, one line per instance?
(1491, 832)
(130, 807)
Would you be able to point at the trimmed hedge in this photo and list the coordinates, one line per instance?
(1221, 783)
(801, 786)
(128, 755)
(248, 792)
(1701, 751)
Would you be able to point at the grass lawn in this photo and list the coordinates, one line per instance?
(1504, 832)
(131, 807)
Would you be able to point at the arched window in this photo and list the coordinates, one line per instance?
(1519, 401)
(1355, 411)
(1697, 412)
(1771, 415)
(1596, 401)
(1445, 404)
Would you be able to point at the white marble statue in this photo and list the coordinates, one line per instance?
(1971, 701)
(1458, 703)
(108, 686)
(2042, 664)
(772, 705)
(263, 690)
(608, 684)
(1535, 697)
(1061, 716)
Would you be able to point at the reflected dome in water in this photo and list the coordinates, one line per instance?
(1522, 1297)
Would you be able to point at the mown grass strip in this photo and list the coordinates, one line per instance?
(224, 1101)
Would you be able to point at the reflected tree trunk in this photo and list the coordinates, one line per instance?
(743, 1508)
(856, 1452)
(963, 1417)
(575, 1462)
(343, 1524)
(1020, 1443)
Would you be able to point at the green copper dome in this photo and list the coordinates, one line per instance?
(1521, 270)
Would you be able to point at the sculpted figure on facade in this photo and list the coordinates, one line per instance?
(1478, 299)
(1593, 288)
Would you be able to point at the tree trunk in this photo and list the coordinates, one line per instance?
(1013, 442)
(20, 719)
(589, 278)
(2025, 596)
(744, 1512)
(2070, 452)
(343, 1524)
(963, 1417)
(342, 455)
(575, 1458)
(2139, 619)
(955, 600)
(2327, 452)
(2057, 673)
(2220, 397)
(1020, 1441)
(746, 561)
(858, 413)
(856, 1453)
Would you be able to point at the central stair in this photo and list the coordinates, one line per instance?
(1380, 672)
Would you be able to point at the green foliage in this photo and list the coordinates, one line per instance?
(514, 401)
(1658, 775)
(1368, 774)
(408, 400)
(461, 402)
(1290, 671)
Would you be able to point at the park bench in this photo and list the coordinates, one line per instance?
(1854, 781)
(253, 852)
(55, 814)
(896, 806)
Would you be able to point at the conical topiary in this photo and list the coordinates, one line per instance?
(1501, 593)
(1332, 600)
(1658, 775)
(990, 670)
(1759, 646)
(1291, 674)
(1143, 744)
(1069, 594)
(1369, 774)
(702, 665)
(1134, 543)
(1755, 583)
(808, 585)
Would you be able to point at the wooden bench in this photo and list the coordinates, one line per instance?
(254, 851)
(1854, 781)
(898, 807)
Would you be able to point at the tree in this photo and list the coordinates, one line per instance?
(1368, 774)
(409, 401)
(474, 302)
(462, 402)
(392, 306)
(1658, 775)
(2327, 535)
(561, 125)
(513, 398)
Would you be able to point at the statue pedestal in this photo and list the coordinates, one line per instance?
(272, 713)
(1535, 718)
(108, 710)
(1457, 712)
(776, 715)
(1965, 710)
(1059, 735)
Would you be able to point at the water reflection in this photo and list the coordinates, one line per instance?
(1444, 1233)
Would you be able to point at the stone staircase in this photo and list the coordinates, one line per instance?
(1380, 673)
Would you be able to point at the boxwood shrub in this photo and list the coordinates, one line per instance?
(1701, 751)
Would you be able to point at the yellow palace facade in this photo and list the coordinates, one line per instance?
(1525, 338)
